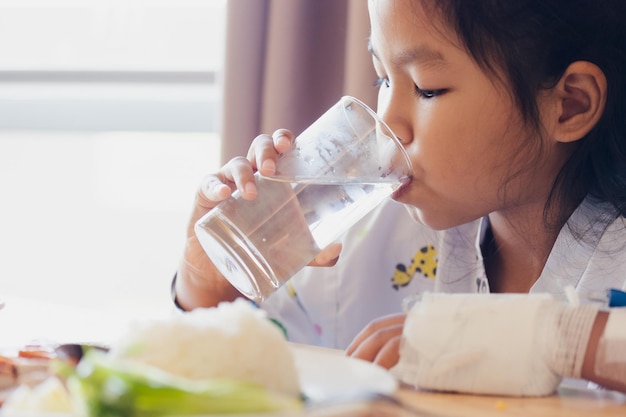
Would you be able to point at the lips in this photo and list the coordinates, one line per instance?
(397, 195)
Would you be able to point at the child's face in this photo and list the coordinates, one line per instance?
(460, 127)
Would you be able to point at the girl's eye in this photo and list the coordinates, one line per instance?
(428, 94)
(420, 93)
(382, 81)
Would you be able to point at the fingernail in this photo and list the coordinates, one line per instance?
(250, 188)
(268, 166)
(283, 140)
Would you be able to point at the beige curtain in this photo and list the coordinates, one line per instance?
(289, 60)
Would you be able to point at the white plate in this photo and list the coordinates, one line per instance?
(326, 374)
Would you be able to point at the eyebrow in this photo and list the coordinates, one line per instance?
(420, 53)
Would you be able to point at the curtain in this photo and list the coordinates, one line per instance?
(287, 61)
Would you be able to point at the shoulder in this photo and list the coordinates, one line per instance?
(603, 233)
(599, 225)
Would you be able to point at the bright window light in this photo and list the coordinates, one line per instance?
(125, 65)
(111, 35)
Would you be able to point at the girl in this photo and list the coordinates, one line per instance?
(513, 116)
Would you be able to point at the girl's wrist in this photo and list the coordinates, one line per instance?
(202, 286)
(189, 288)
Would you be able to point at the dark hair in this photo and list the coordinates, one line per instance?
(533, 42)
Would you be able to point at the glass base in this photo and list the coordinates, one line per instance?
(236, 258)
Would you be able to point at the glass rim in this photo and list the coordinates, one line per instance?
(380, 120)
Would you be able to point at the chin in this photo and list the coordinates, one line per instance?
(414, 213)
(435, 223)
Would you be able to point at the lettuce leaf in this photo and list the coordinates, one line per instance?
(106, 387)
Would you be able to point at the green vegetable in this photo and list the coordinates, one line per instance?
(110, 388)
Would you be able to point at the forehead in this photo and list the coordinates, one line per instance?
(405, 31)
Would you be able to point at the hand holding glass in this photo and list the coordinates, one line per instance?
(339, 169)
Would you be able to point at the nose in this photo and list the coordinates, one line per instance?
(396, 115)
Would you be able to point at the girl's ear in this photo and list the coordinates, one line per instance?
(580, 99)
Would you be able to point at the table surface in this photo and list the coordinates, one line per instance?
(22, 320)
(570, 402)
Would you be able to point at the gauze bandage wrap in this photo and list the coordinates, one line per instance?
(503, 344)
(563, 336)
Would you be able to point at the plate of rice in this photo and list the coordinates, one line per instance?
(231, 353)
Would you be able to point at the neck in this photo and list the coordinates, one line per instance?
(518, 250)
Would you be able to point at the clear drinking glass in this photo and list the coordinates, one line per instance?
(340, 168)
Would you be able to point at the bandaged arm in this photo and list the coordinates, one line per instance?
(605, 359)
(508, 344)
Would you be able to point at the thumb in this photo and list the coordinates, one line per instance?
(328, 256)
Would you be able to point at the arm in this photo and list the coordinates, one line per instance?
(198, 283)
(593, 368)
(485, 338)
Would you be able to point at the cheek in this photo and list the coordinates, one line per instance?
(472, 133)
(467, 152)
(445, 142)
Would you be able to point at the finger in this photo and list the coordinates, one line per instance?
(283, 140)
(375, 342)
(213, 190)
(328, 257)
(262, 154)
(373, 328)
(239, 173)
(389, 354)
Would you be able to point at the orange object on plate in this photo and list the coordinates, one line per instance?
(36, 352)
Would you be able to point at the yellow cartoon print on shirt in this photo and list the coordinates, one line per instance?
(424, 262)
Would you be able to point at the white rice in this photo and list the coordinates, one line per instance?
(234, 340)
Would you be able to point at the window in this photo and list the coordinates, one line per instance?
(108, 119)
(110, 64)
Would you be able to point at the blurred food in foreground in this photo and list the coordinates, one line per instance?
(228, 359)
